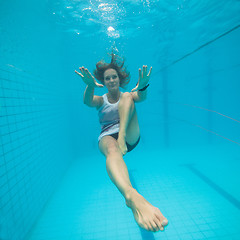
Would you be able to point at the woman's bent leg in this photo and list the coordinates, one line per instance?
(129, 128)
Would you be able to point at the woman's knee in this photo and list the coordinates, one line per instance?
(109, 147)
(126, 99)
(127, 96)
(113, 148)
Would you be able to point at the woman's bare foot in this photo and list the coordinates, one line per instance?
(146, 215)
(122, 144)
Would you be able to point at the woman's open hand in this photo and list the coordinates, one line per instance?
(88, 78)
(143, 78)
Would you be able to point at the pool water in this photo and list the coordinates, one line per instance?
(53, 178)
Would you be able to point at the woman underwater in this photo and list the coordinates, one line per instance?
(120, 131)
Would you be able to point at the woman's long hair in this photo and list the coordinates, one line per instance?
(117, 65)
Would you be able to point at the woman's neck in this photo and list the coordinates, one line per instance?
(113, 96)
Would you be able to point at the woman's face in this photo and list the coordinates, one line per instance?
(111, 79)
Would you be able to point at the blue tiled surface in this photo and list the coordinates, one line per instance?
(87, 205)
(32, 148)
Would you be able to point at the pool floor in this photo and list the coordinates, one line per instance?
(197, 189)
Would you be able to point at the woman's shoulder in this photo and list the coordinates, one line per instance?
(98, 101)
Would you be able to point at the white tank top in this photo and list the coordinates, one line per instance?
(108, 117)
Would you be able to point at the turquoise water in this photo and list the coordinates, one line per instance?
(53, 179)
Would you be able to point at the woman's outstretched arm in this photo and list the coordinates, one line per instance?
(139, 93)
(89, 98)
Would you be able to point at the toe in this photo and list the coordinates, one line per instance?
(154, 226)
(147, 227)
(165, 222)
(158, 223)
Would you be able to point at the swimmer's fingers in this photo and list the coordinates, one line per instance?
(150, 71)
(90, 76)
(139, 77)
(143, 78)
(145, 75)
(134, 89)
(86, 76)
(98, 85)
(82, 75)
(82, 70)
(144, 70)
(79, 74)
